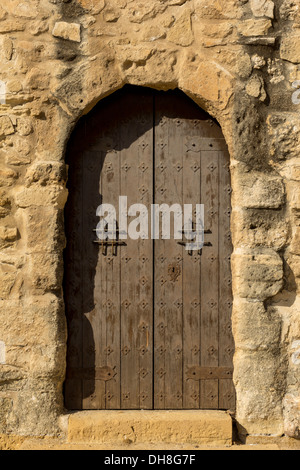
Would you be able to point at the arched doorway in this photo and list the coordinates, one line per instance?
(149, 321)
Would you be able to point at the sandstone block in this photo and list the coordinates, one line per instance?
(262, 8)
(218, 9)
(45, 229)
(295, 244)
(45, 273)
(8, 276)
(258, 190)
(292, 415)
(254, 327)
(290, 48)
(24, 126)
(259, 228)
(12, 26)
(181, 33)
(68, 31)
(252, 27)
(6, 48)
(259, 410)
(210, 82)
(258, 275)
(256, 88)
(6, 126)
(41, 196)
(7, 177)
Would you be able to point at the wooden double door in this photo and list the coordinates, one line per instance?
(149, 322)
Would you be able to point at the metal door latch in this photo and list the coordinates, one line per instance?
(190, 246)
(112, 241)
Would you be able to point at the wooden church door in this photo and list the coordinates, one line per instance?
(149, 321)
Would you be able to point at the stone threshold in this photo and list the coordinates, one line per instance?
(121, 428)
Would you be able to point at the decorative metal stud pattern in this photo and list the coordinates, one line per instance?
(162, 144)
(195, 350)
(143, 190)
(143, 396)
(143, 167)
(212, 350)
(212, 303)
(144, 259)
(195, 396)
(109, 167)
(143, 350)
(143, 145)
(143, 280)
(126, 350)
(143, 373)
(143, 327)
(161, 327)
(178, 303)
(161, 350)
(196, 303)
(161, 373)
(126, 167)
(126, 303)
(143, 304)
(162, 167)
(108, 351)
(212, 167)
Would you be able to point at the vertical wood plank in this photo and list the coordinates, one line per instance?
(210, 277)
(168, 254)
(137, 281)
(191, 275)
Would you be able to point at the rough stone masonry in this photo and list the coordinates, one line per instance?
(237, 59)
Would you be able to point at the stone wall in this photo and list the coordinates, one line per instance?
(240, 61)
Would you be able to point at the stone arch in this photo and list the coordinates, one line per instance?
(207, 83)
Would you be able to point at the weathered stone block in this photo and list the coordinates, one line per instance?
(262, 8)
(8, 277)
(46, 173)
(254, 327)
(252, 27)
(181, 33)
(292, 416)
(6, 48)
(257, 275)
(259, 228)
(42, 196)
(295, 244)
(290, 48)
(45, 229)
(259, 409)
(256, 190)
(45, 273)
(6, 126)
(256, 88)
(69, 31)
